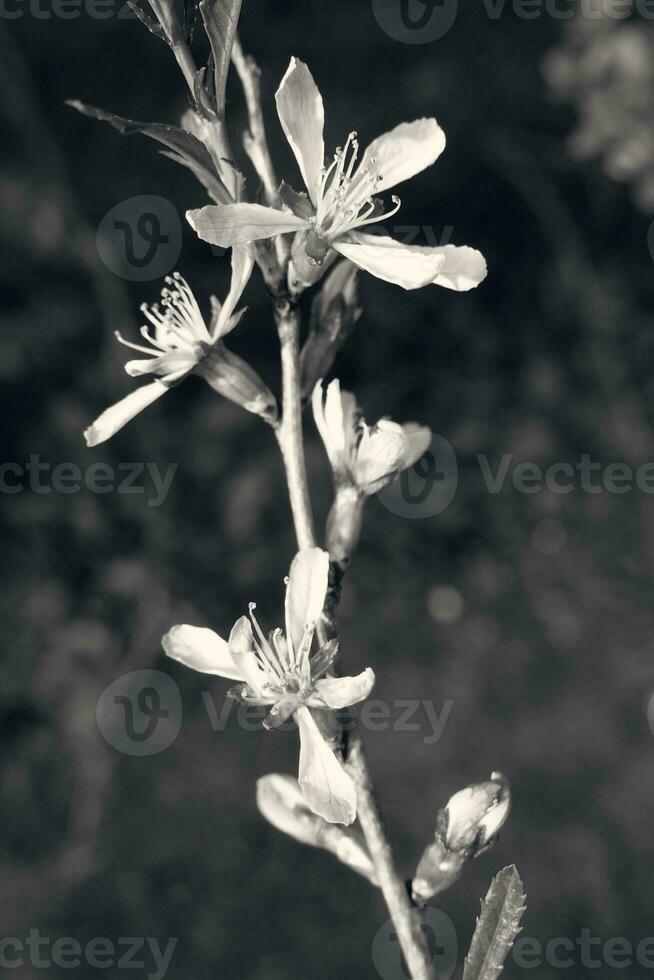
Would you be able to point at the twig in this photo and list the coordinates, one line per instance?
(406, 918)
(289, 432)
(255, 142)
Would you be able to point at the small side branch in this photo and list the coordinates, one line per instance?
(255, 142)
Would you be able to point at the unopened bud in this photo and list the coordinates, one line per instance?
(232, 377)
(283, 804)
(475, 814)
(464, 829)
(333, 316)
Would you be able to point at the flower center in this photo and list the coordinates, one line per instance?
(346, 193)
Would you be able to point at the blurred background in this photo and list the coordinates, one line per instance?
(531, 613)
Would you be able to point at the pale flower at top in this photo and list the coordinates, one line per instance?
(280, 670)
(367, 457)
(342, 197)
(180, 343)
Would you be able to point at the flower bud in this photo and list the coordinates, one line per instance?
(475, 814)
(465, 828)
(232, 377)
(333, 316)
(282, 803)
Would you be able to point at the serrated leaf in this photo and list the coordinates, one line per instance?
(185, 147)
(220, 18)
(497, 926)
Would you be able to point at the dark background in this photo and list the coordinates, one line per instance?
(545, 648)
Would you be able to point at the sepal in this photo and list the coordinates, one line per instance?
(232, 377)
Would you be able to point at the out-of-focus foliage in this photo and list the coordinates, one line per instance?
(605, 67)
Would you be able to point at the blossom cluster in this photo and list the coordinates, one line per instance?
(321, 232)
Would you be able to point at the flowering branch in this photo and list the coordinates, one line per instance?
(296, 239)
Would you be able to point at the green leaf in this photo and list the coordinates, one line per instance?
(220, 19)
(497, 926)
(185, 147)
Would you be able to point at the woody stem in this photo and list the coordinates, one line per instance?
(405, 917)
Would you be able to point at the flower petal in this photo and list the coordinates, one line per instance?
(201, 649)
(302, 115)
(409, 266)
(341, 692)
(463, 269)
(327, 788)
(235, 224)
(403, 152)
(380, 455)
(305, 592)
(242, 265)
(417, 442)
(243, 652)
(118, 415)
(171, 362)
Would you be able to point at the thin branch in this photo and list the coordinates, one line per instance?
(255, 142)
(289, 432)
(406, 918)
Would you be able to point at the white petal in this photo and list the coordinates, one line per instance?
(235, 224)
(327, 788)
(242, 650)
(404, 152)
(201, 649)
(418, 440)
(172, 362)
(305, 592)
(341, 692)
(463, 269)
(409, 266)
(328, 416)
(380, 453)
(242, 264)
(118, 415)
(302, 115)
